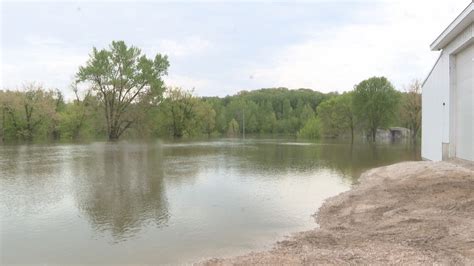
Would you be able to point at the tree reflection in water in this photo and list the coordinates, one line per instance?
(120, 188)
(349, 160)
(155, 203)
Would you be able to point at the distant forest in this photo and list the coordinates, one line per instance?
(127, 98)
(38, 114)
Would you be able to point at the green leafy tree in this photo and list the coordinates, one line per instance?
(28, 114)
(179, 112)
(207, 117)
(266, 118)
(375, 103)
(121, 77)
(411, 108)
(306, 113)
(311, 130)
(345, 111)
(81, 118)
(336, 115)
(233, 128)
(286, 108)
(326, 113)
(218, 106)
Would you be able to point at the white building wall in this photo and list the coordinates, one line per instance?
(435, 116)
(463, 117)
(460, 40)
(437, 120)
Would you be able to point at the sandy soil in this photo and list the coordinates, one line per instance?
(406, 213)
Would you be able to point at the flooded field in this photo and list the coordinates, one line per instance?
(169, 202)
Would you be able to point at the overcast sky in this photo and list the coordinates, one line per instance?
(220, 48)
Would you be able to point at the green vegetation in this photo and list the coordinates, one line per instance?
(30, 113)
(337, 116)
(126, 83)
(410, 109)
(311, 129)
(126, 96)
(375, 103)
(267, 111)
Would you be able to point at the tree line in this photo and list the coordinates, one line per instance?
(125, 96)
(373, 104)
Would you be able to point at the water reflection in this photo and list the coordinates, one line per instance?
(169, 202)
(31, 182)
(352, 160)
(120, 188)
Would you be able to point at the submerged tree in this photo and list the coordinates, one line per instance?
(122, 77)
(331, 126)
(411, 108)
(375, 102)
(28, 114)
(336, 115)
(207, 117)
(78, 117)
(233, 129)
(345, 108)
(311, 130)
(179, 112)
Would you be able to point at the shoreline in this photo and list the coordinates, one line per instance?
(405, 213)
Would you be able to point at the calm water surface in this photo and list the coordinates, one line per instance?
(161, 202)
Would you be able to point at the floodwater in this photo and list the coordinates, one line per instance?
(174, 202)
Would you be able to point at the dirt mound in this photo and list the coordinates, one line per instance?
(408, 213)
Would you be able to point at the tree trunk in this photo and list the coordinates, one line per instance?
(114, 133)
(352, 135)
(414, 135)
(113, 136)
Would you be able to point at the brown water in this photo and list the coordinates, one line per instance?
(176, 202)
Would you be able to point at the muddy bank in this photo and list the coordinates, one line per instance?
(409, 213)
